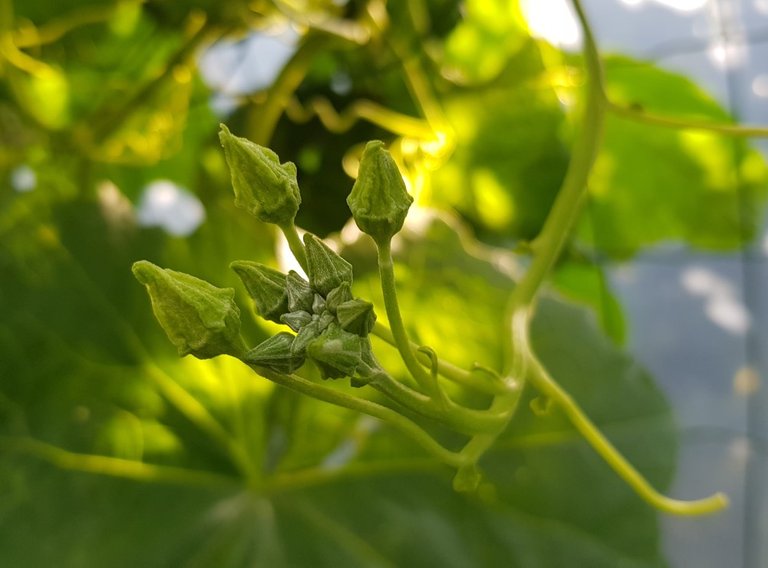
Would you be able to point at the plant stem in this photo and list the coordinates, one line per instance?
(295, 244)
(541, 380)
(332, 396)
(114, 467)
(736, 130)
(462, 419)
(445, 368)
(403, 344)
(548, 244)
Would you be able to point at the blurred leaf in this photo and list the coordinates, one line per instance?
(480, 46)
(44, 96)
(509, 159)
(587, 283)
(652, 184)
(369, 497)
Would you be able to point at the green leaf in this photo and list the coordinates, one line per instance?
(652, 184)
(509, 158)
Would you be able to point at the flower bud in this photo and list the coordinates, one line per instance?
(199, 318)
(356, 316)
(300, 295)
(306, 335)
(263, 186)
(296, 320)
(318, 305)
(276, 354)
(266, 286)
(337, 353)
(310, 331)
(338, 296)
(379, 201)
(326, 269)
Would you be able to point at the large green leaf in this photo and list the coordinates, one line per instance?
(652, 184)
(509, 159)
(339, 490)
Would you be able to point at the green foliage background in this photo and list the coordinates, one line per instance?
(107, 452)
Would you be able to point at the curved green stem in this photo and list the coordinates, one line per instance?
(338, 398)
(746, 131)
(549, 243)
(362, 109)
(445, 368)
(461, 419)
(114, 467)
(541, 380)
(403, 344)
(295, 244)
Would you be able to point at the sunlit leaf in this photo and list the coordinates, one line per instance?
(653, 184)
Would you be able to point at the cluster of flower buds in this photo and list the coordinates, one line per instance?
(331, 326)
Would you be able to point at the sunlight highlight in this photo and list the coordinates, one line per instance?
(553, 21)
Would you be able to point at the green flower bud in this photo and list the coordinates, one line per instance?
(318, 304)
(276, 354)
(326, 269)
(300, 295)
(199, 318)
(306, 335)
(338, 296)
(356, 316)
(310, 331)
(263, 186)
(325, 319)
(379, 201)
(296, 320)
(337, 353)
(266, 286)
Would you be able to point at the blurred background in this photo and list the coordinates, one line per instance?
(115, 452)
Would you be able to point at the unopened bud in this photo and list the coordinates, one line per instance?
(337, 353)
(266, 286)
(276, 354)
(326, 269)
(379, 201)
(356, 316)
(263, 186)
(296, 320)
(199, 318)
(338, 296)
(300, 295)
